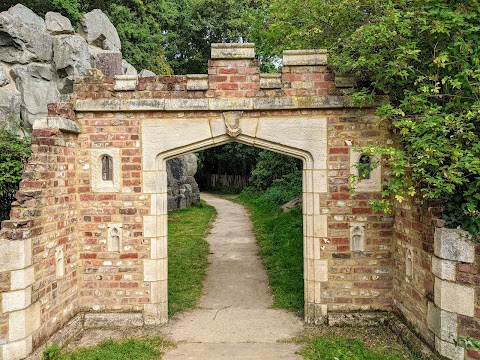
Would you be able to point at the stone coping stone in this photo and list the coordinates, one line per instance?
(197, 82)
(304, 57)
(217, 104)
(232, 51)
(56, 122)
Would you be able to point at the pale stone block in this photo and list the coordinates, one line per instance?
(186, 104)
(159, 204)
(158, 291)
(307, 181)
(17, 350)
(271, 81)
(444, 269)
(310, 291)
(158, 248)
(99, 105)
(155, 314)
(310, 274)
(374, 182)
(56, 122)
(155, 270)
(150, 179)
(125, 82)
(320, 181)
(308, 226)
(232, 51)
(98, 184)
(20, 279)
(162, 223)
(316, 204)
(456, 298)
(150, 226)
(318, 292)
(274, 103)
(15, 254)
(23, 323)
(321, 226)
(305, 57)
(230, 104)
(142, 104)
(317, 248)
(345, 81)
(444, 324)
(112, 320)
(162, 182)
(197, 82)
(313, 140)
(309, 247)
(160, 136)
(59, 261)
(320, 102)
(454, 244)
(16, 300)
(321, 270)
(307, 203)
(449, 350)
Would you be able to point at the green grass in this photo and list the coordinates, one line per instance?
(187, 255)
(280, 239)
(321, 348)
(131, 349)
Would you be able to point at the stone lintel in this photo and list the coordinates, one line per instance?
(197, 82)
(217, 104)
(232, 51)
(304, 57)
(271, 81)
(56, 122)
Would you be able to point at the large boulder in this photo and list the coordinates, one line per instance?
(182, 188)
(97, 29)
(36, 84)
(57, 24)
(71, 55)
(10, 102)
(128, 69)
(23, 36)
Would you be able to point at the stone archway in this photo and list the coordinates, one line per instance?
(269, 132)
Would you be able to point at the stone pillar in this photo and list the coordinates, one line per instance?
(451, 299)
(155, 269)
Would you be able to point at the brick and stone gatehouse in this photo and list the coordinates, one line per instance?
(87, 239)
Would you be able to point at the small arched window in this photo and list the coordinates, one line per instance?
(107, 168)
(364, 167)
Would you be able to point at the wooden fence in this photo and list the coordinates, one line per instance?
(219, 181)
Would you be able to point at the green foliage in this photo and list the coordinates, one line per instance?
(52, 352)
(14, 153)
(271, 166)
(338, 348)
(467, 342)
(130, 349)
(280, 238)
(187, 255)
(305, 24)
(426, 56)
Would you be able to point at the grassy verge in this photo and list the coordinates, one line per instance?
(280, 239)
(359, 343)
(131, 349)
(187, 255)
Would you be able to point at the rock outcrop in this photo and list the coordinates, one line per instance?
(182, 188)
(39, 59)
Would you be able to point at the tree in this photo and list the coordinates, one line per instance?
(426, 56)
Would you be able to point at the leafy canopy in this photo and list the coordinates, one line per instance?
(426, 56)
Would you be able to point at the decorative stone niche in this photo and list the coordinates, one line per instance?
(105, 170)
(357, 237)
(59, 262)
(409, 261)
(366, 181)
(114, 241)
